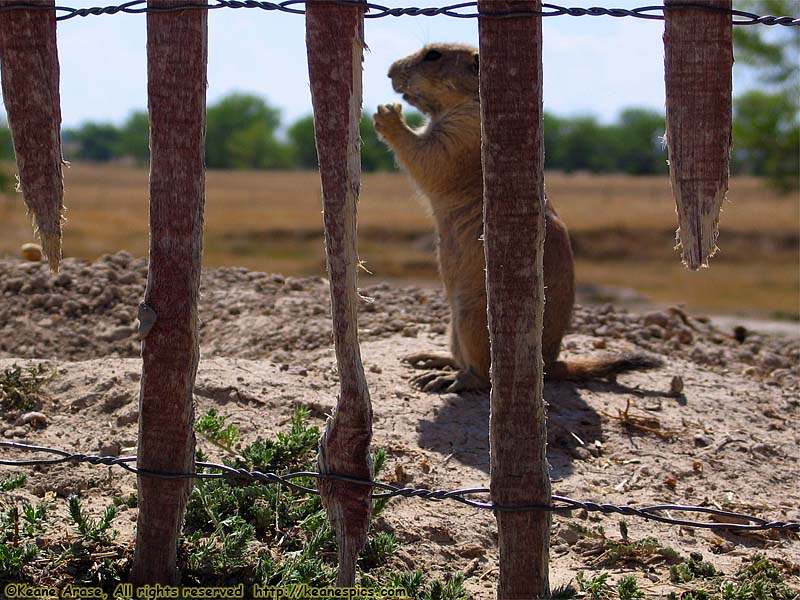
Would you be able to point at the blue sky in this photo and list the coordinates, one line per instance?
(593, 65)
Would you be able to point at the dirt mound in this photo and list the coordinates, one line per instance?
(89, 311)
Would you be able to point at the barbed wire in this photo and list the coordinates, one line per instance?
(462, 10)
(564, 504)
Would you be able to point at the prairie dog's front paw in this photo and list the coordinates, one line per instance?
(389, 120)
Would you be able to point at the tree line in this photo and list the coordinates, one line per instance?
(244, 132)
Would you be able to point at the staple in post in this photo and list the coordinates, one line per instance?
(334, 37)
(30, 74)
(176, 59)
(698, 61)
(514, 210)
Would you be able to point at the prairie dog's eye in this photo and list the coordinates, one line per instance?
(432, 55)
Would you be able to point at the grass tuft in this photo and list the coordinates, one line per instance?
(21, 387)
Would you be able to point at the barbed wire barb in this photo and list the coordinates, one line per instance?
(462, 10)
(733, 520)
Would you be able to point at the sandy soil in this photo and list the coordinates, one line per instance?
(729, 439)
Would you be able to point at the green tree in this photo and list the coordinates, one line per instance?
(6, 146)
(93, 141)
(585, 145)
(240, 134)
(639, 142)
(134, 138)
(375, 155)
(772, 50)
(302, 144)
(766, 133)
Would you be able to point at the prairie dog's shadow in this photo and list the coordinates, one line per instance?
(460, 427)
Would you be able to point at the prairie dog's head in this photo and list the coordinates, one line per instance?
(437, 77)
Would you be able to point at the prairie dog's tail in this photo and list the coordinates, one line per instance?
(602, 367)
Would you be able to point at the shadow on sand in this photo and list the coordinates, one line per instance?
(461, 427)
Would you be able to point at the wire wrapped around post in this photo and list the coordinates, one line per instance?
(30, 74)
(698, 61)
(514, 228)
(176, 59)
(335, 41)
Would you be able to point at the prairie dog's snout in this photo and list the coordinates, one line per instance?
(438, 77)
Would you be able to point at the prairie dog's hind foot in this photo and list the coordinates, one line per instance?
(449, 382)
(431, 360)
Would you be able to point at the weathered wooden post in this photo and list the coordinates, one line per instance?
(514, 229)
(698, 60)
(30, 73)
(335, 41)
(176, 59)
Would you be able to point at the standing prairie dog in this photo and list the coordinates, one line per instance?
(444, 160)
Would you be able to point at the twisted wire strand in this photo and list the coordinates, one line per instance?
(561, 503)
(462, 10)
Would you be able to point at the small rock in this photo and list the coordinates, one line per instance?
(470, 551)
(772, 361)
(13, 285)
(34, 419)
(31, 252)
(62, 280)
(701, 440)
(656, 318)
(569, 535)
(115, 401)
(581, 453)
(110, 449)
(676, 385)
(128, 415)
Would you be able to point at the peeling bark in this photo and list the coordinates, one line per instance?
(334, 37)
(514, 209)
(698, 60)
(30, 74)
(176, 58)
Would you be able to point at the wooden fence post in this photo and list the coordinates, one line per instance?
(698, 60)
(514, 208)
(334, 37)
(30, 73)
(176, 59)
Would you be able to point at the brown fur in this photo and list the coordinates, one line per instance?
(444, 160)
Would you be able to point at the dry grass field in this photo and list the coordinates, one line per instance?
(622, 229)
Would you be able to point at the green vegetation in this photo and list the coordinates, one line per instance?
(757, 579)
(90, 530)
(694, 568)
(628, 588)
(612, 552)
(597, 587)
(236, 531)
(21, 387)
(268, 534)
(766, 131)
(13, 482)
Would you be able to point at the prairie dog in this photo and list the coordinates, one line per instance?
(444, 160)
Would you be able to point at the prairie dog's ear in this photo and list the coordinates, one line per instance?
(475, 62)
